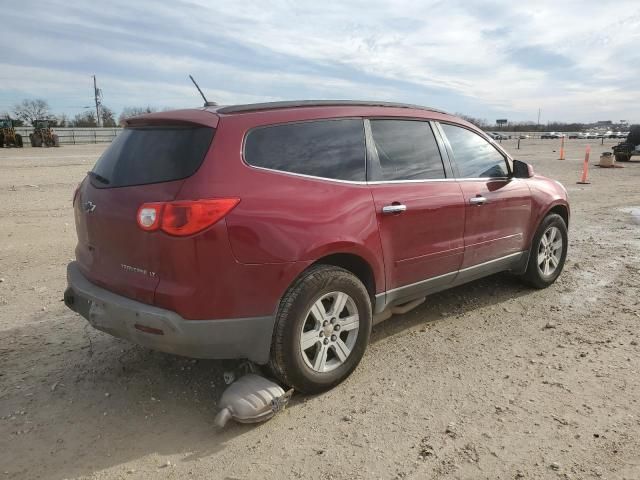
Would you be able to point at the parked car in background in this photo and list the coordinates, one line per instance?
(522, 136)
(281, 232)
(573, 136)
(500, 136)
(551, 135)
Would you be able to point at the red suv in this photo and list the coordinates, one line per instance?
(281, 232)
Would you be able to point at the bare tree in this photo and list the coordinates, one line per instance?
(128, 112)
(478, 122)
(30, 110)
(85, 119)
(63, 120)
(108, 117)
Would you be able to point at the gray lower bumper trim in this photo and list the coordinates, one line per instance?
(117, 315)
(517, 262)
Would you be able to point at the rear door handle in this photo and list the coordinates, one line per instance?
(478, 200)
(394, 208)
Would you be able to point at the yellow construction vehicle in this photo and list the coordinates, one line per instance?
(42, 135)
(8, 135)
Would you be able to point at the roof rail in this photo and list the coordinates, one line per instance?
(252, 107)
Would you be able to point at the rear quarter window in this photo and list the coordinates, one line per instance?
(143, 155)
(333, 149)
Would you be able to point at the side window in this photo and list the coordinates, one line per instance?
(407, 150)
(325, 148)
(474, 156)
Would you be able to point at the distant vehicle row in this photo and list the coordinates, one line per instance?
(502, 136)
(552, 135)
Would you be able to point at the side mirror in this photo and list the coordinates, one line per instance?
(522, 169)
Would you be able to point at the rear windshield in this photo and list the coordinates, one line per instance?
(143, 155)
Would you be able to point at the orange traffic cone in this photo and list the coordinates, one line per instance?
(585, 167)
(562, 149)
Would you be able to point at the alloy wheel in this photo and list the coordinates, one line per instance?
(550, 251)
(329, 332)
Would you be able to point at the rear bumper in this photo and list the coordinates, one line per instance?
(164, 330)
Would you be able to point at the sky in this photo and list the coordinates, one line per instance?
(573, 60)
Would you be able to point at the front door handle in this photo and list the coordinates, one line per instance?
(478, 200)
(394, 208)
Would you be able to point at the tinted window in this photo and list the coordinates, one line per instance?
(152, 154)
(327, 148)
(474, 156)
(407, 150)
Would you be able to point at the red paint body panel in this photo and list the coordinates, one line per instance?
(501, 225)
(242, 265)
(109, 237)
(427, 239)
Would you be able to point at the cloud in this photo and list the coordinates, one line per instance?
(577, 60)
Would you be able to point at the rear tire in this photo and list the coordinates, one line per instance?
(322, 329)
(1, 140)
(56, 140)
(548, 252)
(19, 143)
(36, 141)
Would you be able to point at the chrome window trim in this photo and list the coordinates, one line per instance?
(303, 175)
(380, 182)
(436, 129)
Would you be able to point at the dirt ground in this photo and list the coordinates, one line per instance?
(490, 380)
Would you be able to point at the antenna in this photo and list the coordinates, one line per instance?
(207, 103)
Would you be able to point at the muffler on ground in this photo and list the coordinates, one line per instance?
(251, 399)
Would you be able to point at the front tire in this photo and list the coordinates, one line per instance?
(621, 157)
(322, 329)
(548, 252)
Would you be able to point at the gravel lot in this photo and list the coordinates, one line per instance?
(489, 380)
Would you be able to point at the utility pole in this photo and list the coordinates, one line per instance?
(97, 94)
(538, 119)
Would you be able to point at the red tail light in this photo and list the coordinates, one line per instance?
(184, 217)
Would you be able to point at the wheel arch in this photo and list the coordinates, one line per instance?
(355, 264)
(559, 209)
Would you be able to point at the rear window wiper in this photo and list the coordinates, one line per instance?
(98, 177)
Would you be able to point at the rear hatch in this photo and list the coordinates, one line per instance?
(145, 163)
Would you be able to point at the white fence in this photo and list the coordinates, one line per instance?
(73, 136)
